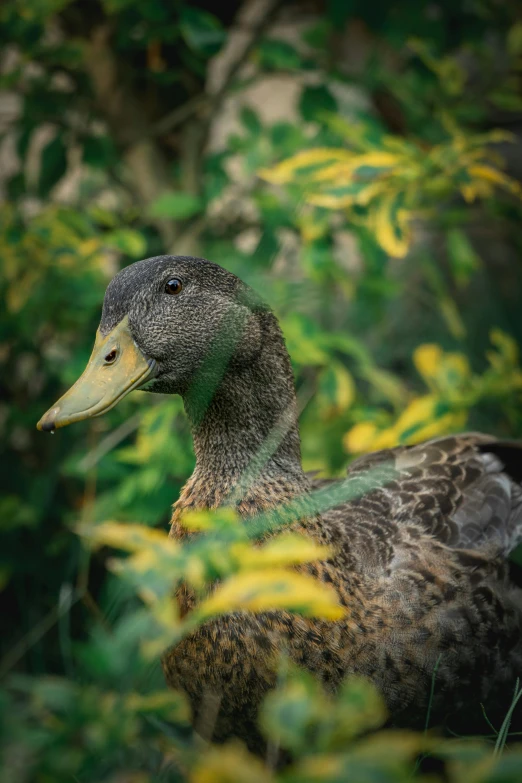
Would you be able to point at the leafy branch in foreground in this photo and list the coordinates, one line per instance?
(328, 735)
(252, 577)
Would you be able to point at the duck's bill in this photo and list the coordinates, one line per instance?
(116, 367)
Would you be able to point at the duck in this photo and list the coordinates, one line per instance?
(419, 558)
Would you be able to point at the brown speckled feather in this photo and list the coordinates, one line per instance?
(454, 487)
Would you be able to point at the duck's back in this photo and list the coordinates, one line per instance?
(422, 545)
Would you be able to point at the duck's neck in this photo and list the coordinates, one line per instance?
(247, 439)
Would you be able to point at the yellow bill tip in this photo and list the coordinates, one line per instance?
(48, 421)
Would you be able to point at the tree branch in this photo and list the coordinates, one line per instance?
(179, 115)
(209, 104)
(196, 130)
(265, 13)
(128, 125)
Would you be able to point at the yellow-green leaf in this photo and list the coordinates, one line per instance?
(514, 40)
(286, 171)
(336, 388)
(231, 763)
(426, 418)
(342, 171)
(347, 197)
(452, 317)
(496, 177)
(131, 538)
(210, 519)
(427, 359)
(360, 437)
(273, 589)
(391, 226)
(171, 704)
(506, 345)
(287, 549)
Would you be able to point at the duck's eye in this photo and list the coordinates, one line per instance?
(173, 286)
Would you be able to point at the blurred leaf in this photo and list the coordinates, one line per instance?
(201, 30)
(55, 693)
(463, 258)
(130, 242)
(514, 40)
(275, 54)
(14, 513)
(304, 341)
(23, 141)
(488, 174)
(336, 386)
(205, 520)
(301, 717)
(317, 35)
(16, 186)
(506, 100)
(304, 162)
(450, 72)
(425, 417)
(98, 151)
(451, 315)
(131, 538)
(386, 757)
(387, 384)
(169, 705)
(391, 226)
(53, 164)
(445, 371)
(361, 437)
(286, 138)
(315, 101)
(508, 351)
(178, 206)
(285, 549)
(250, 120)
(230, 764)
(273, 589)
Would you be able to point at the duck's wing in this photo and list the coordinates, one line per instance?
(464, 490)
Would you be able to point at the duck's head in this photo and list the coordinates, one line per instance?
(174, 323)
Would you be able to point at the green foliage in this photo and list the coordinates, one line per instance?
(83, 732)
(301, 717)
(380, 219)
(175, 205)
(454, 392)
(383, 181)
(273, 54)
(201, 30)
(53, 164)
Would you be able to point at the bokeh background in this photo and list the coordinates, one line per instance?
(359, 164)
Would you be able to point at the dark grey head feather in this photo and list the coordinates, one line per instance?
(213, 307)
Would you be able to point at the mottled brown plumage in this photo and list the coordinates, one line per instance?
(420, 565)
(419, 552)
